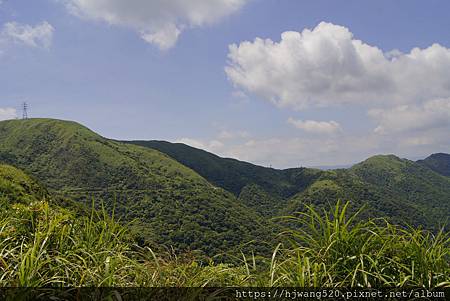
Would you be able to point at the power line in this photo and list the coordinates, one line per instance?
(25, 111)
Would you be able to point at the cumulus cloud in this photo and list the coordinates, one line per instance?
(7, 113)
(326, 66)
(316, 127)
(432, 114)
(406, 94)
(158, 21)
(39, 36)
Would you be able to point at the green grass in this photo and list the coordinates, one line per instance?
(18, 186)
(44, 245)
(333, 248)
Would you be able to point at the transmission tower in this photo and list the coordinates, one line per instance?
(25, 111)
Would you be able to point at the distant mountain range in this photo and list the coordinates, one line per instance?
(176, 195)
(407, 191)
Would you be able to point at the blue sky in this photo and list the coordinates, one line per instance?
(151, 70)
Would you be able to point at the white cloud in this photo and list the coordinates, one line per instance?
(406, 94)
(158, 21)
(316, 127)
(226, 134)
(328, 66)
(165, 38)
(433, 114)
(218, 144)
(39, 36)
(319, 150)
(7, 113)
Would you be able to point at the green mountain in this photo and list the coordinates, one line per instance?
(266, 190)
(405, 191)
(233, 175)
(440, 163)
(167, 203)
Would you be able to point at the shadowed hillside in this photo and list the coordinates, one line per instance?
(267, 190)
(440, 163)
(402, 190)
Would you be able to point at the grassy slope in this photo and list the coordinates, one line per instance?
(19, 187)
(440, 163)
(169, 203)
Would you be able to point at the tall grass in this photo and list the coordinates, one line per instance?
(333, 248)
(42, 245)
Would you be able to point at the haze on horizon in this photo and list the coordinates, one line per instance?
(277, 83)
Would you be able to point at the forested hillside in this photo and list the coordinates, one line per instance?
(402, 190)
(232, 174)
(181, 197)
(399, 189)
(167, 203)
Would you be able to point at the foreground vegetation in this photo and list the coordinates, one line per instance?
(44, 245)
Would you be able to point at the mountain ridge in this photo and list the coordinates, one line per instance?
(362, 183)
